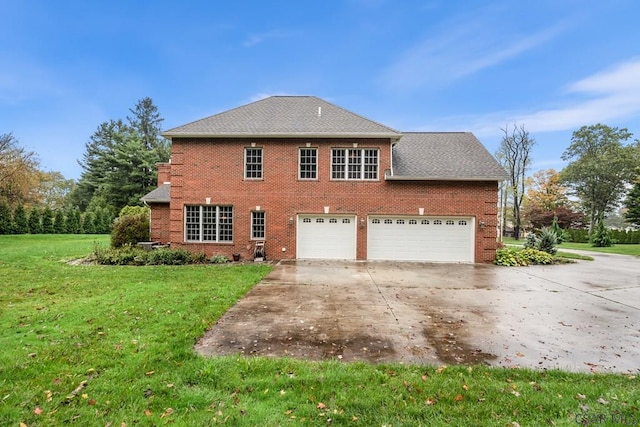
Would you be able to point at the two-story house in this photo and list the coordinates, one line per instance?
(313, 180)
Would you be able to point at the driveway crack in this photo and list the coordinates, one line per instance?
(382, 295)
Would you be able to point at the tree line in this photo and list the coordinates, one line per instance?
(118, 168)
(602, 174)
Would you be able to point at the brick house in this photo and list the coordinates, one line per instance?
(304, 178)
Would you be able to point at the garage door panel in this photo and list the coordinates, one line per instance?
(326, 237)
(440, 239)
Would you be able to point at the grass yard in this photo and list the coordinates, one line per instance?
(615, 249)
(112, 346)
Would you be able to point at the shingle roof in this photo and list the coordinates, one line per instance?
(443, 156)
(285, 116)
(161, 194)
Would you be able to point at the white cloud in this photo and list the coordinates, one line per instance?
(459, 52)
(609, 97)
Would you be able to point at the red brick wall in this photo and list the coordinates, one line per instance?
(164, 173)
(205, 168)
(160, 222)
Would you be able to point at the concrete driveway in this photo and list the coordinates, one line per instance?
(577, 317)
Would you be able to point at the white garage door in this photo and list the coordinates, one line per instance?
(440, 239)
(326, 236)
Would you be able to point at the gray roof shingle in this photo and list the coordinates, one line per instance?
(285, 116)
(161, 194)
(443, 156)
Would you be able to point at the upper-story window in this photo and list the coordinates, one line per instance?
(253, 163)
(354, 163)
(308, 163)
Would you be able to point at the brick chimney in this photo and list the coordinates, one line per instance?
(164, 173)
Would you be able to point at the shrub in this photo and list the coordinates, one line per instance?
(130, 255)
(509, 257)
(219, 259)
(129, 230)
(547, 241)
(601, 237)
(531, 241)
(534, 256)
(134, 210)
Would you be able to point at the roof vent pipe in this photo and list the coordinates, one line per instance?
(319, 111)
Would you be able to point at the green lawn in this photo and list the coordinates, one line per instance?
(615, 249)
(112, 346)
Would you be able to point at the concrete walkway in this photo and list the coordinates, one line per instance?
(577, 317)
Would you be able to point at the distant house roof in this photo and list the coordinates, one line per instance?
(161, 194)
(443, 156)
(285, 116)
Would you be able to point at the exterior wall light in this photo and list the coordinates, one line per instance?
(482, 224)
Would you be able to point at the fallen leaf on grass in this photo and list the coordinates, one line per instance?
(430, 402)
(465, 387)
(603, 402)
(458, 398)
(580, 396)
(37, 410)
(147, 412)
(515, 393)
(166, 413)
(321, 405)
(91, 402)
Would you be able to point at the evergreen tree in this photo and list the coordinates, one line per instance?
(21, 224)
(88, 223)
(119, 162)
(632, 204)
(5, 218)
(35, 221)
(601, 237)
(47, 221)
(58, 222)
(72, 222)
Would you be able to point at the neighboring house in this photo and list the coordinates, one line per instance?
(313, 180)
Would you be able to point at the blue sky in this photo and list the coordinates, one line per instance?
(431, 65)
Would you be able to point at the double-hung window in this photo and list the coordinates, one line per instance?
(253, 163)
(257, 225)
(208, 223)
(354, 163)
(308, 163)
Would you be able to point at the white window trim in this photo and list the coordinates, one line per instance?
(363, 164)
(300, 164)
(246, 171)
(264, 215)
(201, 225)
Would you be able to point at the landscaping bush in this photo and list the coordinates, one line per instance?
(576, 235)
(129, 230)
(510, 257)
(601, 238)
(534, 256)
(545, 241)
(130, 255)
(219, 259)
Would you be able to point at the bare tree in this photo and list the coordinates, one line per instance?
(515, 155)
